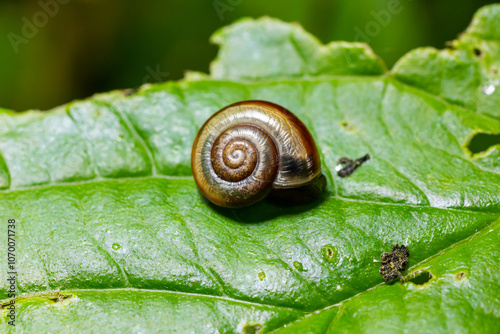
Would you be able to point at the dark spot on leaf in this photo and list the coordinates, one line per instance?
(346, 126)
(298, 266)
(130, 91)
(52, 297)
(347, 167)
(262, 275)
(328, 253)
(393, 263)
(420, 277)
(5, 304)
(481, 142)
(460, 276)
(60, 297)
(252, 329)
(478, 52)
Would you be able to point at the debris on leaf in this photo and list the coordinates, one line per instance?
(60, 297)
(393, 263)
(347, 166)
(129, 91)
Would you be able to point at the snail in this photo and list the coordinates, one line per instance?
(252, 149)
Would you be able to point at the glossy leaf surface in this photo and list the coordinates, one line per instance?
(108, 214)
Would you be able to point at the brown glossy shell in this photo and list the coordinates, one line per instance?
(248, 149)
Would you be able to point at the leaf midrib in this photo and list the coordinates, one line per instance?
(190, 178)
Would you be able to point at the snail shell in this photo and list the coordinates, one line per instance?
(251, 148)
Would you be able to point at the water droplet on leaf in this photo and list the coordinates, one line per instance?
(490, 86)
(488, 90)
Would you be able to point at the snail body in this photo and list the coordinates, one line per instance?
(250, 149)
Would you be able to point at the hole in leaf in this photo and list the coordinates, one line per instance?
(481, 142)
(252, 329)
(420, 277)
(460, 276)
(478, 52)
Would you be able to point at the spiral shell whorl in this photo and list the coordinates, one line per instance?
(246, 149)
(233, 158)
(239, 166)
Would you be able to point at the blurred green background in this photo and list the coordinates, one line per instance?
(54, 51)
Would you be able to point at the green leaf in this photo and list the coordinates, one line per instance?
(458, 294)
(109, 216)
(272, 49)
(467, 73)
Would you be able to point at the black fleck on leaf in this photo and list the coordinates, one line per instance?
(348, 166)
